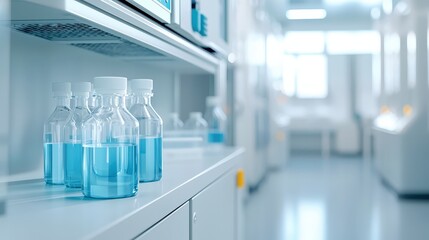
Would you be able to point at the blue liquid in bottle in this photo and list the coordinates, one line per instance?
(111, 170)
(73, 154)
(215, 137)
(150, 159)
(54, 163)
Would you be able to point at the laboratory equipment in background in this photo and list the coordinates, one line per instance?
(401, 134)
(178, 138)
(216, 121)
(54, 135)
(251, 95)
(159, 9)
(347, 139)
(196, 128)
(202, 22)
(150, 131)
(279, 120)
(109, 139)
(73, 152)
(173, 123)
(279, 149)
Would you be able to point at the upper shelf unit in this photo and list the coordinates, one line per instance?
(109, 28)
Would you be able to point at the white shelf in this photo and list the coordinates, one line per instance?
(38, 211)
(121, 22)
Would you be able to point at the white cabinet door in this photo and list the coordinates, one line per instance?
(174, 226)
(213, 210)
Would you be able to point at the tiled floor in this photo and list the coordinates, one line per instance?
(335, 199)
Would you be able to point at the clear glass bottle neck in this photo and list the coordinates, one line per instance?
(62, 101)
(109, 100)
(80, 101)
(143, 98)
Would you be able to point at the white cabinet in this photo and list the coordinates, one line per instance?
(204, 185)
(213, 210)
(209, 215)
(174, 226)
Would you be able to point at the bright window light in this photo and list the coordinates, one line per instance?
(376, 74)
(411, 47)
(352, 42)
(304, 42)
(392, 47)
(274, 51)
(305, 76)
(302, 14)
(387, 6)
(256, 49)
(375, 13)
(289, 75)
(311, 77)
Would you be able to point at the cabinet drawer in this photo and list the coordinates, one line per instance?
(174, 226)
(213, 210)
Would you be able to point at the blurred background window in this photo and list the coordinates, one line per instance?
(305, 63)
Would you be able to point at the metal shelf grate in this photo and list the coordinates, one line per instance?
(123, 49)
(84, 36)
(62, 31)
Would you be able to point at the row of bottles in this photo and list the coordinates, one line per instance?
(108, 149)
(211, 128)
(216, 120)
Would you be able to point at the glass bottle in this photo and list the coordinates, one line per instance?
(196, 127)
(216, 120)
(150, 155)
(73, 152)
(174, 123)
(54, 134)
(109, 139)
(93, 100)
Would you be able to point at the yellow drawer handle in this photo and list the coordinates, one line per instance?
(240, 178)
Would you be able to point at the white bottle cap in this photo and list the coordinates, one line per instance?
(81, 88)
(145, 85)
(110, 85)
(212, 101)
(61, 89)
(195, 115)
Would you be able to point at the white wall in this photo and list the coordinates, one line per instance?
(193, 92)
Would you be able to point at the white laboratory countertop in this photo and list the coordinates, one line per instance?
(38, 211)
